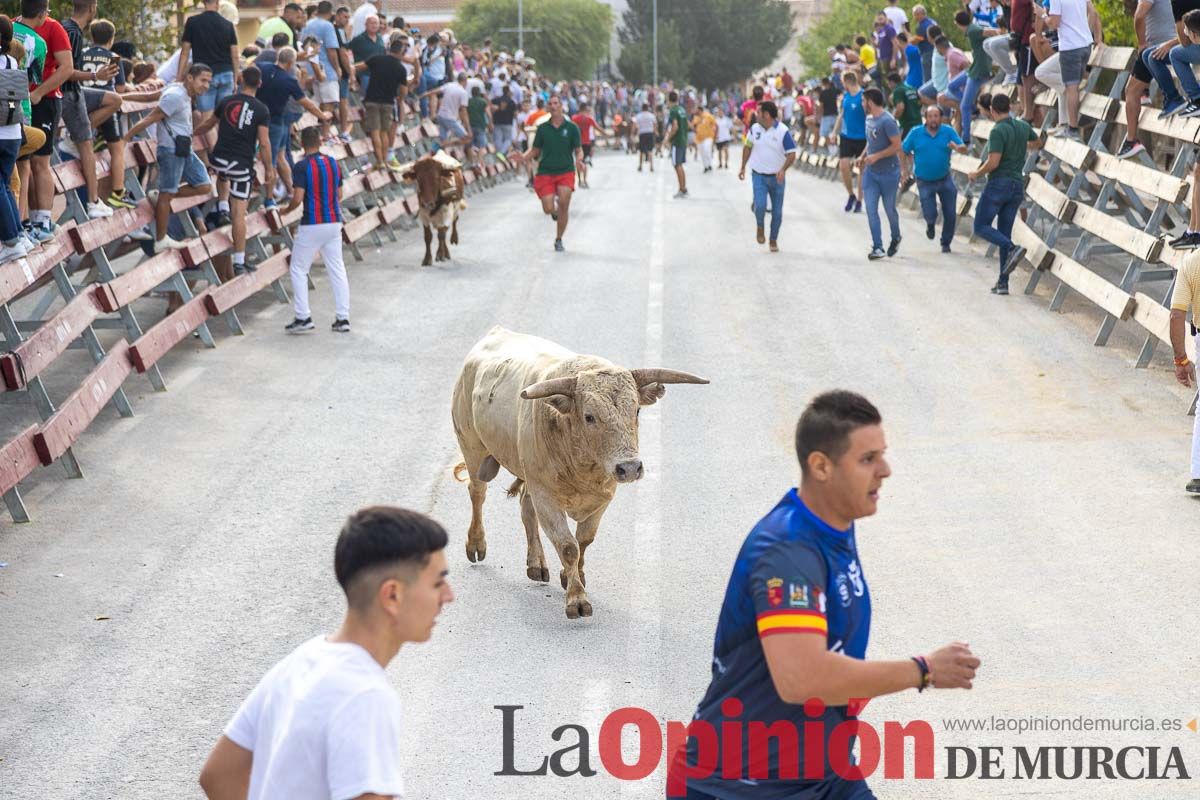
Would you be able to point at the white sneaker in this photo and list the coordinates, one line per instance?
(24, 245)
(98, 210)
(8, 253)
(167, 243)
(142, 234)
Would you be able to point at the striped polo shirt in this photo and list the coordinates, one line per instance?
(318, 175)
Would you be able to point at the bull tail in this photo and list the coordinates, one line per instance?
(460, 472)
(518, 486)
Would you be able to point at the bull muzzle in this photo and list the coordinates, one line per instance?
(629, 471)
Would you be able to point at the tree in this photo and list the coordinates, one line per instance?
(847, 19)
(636, 61)
(146, 23)
(720, 41)
(572, 39)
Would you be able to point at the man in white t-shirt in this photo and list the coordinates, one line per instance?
(896, 16)
(769, 152)
(646, 123)
(324, 723)
(452, 120)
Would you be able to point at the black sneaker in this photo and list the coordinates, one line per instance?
(1190, 240)
(558, 246)
(929, 231)
(849, 204)
(299, 325)
(1193, 486)
(1014, 258)
(1001, 289)
(1129, 149)
(946, 247)
(223, 219)
(893, 247)
(858, 206)
(1192, 109)
(340, 326)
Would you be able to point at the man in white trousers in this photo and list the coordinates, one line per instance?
(317, 183)
(1187, 296)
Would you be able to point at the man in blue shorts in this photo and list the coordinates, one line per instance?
(795, 623)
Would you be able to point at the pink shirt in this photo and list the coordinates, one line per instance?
(956, 61)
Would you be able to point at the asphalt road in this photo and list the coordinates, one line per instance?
(1036, 508)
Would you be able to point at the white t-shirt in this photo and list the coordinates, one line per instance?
(323, 724)
(769, 147)
(1073, 31)
(645, 122)
(724, 129)
(787, 104)
(454, 97)
(896, 16)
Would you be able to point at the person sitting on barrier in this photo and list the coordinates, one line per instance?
(103, 100)
(955, 82)
(1078, 25)
(241, 120)
(1154, 27)
(980, 71)
(930, 145)
(177, 162)
(325, 721)
(1007, 145)
(317, 182)
(1186, 297)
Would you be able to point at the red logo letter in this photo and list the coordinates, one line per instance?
(649, 743)
(678, 770)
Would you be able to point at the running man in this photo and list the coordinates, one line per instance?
(677, 136)
(852, 138)
(724, 137)
(645, 121)
(770, 152)
(798, 574)
(242, 122)
(556, 148)
(325, 722)
(587, 126)
(317, 183)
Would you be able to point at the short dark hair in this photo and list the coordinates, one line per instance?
(757, 93)
(279, 40)
(860, 40)
(768, 107)
(1191, 21)
(874, 95)
(941, 41)
(383, 536)
(294, 7)
(252, 77)
(673, 97)
(1001, 104)
(102, 32)
(325, 7)
(901, 37)
(34, 8)
(82, 6)
(310, 136)
(962, 18)
(340, 9)
(398, 46)
(893, 77)
(933, 32)
(198, 69)
(827, 422)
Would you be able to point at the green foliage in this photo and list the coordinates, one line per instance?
(719, 41)
(573, 38)
(636, 61)
(1117, 23)
(146, 23)
(850, 18)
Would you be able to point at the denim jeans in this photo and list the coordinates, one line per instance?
(1161, 70)
(967, 107)
(768, 186)
(945, 192)
(999, 201)
(10, 217)
(881, 185)
(1182, 57)
(219, 88)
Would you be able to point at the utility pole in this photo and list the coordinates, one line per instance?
(520, 30)
(655, 24)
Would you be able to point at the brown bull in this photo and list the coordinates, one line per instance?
(440, 188)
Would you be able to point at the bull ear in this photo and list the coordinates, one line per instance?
(560, 403)
(651, 393)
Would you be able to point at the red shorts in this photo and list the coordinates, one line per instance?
(546, 185)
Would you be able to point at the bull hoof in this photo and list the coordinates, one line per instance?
(476, 551)
(427, 262)
(454, 239)
(578, 608)
(540, 574)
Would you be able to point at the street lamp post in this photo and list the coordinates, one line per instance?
(521, 25)
(655, 26)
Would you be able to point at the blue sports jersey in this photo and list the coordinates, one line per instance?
(318, 175)
(795, 574)
(854, 116)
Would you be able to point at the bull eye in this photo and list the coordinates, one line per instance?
(589, 419)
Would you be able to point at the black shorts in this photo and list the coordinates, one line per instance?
(851, 148)
(45, 116)
(645, 142)
(587, 150)
(239, 174)
(723, 145)
(1140, 71)
(1026, 63)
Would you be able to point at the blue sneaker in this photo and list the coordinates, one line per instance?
(1169, 109)
(270, 203)
(849, 204)
(40, 234)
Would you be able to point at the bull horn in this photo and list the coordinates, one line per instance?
(645, 376)
(563, 386)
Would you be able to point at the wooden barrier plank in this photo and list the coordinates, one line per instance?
(1156, 319)
(1098, 107)
(181, 204)
(17, 276)
(18, 459)
(1115, 58)
(390, 212)
(1036, 252)
(220, 240)
(1104, 294)
(1176, 127)
(220, 299)
(1057, 204)
(65, 425)
(1070, 152)
(172, 330)
(359, 227)
(1138, 244)
(964, 164)
(126, 288)
(96, 233)
(48, 342)
(1162, 185)
(981, 128)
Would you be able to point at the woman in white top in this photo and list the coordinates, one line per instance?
(724, 137)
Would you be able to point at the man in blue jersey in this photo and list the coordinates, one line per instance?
(317, 183)
(851, 130)
(795, 623)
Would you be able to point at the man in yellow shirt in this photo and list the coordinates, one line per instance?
(866, 55)
(705, 126)
(1187, 297)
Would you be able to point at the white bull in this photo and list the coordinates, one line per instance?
(566, 426)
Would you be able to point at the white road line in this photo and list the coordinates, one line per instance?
(644, 652)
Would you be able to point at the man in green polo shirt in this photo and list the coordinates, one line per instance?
(556, 145)
(677, 135)
(1006, 149)
(906, 108)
